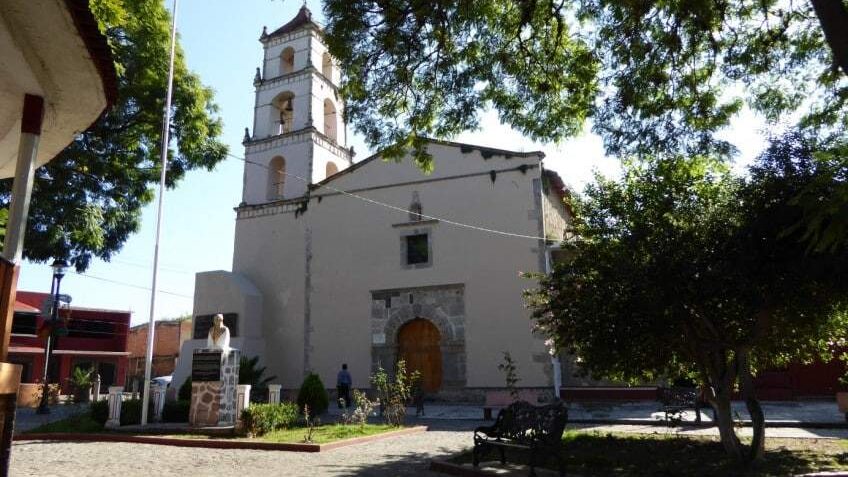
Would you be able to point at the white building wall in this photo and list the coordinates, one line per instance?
(355, 250)
(270, 252)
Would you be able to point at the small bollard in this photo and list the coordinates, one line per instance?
(116, 397)
(274, 393)
(242, 399)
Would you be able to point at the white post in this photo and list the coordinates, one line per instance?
(31, 118)
(166, 129)
(274, 393)
(158, 402)
(116, 395)
(242, 400)
(95, 388)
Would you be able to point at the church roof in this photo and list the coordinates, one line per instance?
(486, 152)
(303, 18)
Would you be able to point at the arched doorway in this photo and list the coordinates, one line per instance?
(419, 345)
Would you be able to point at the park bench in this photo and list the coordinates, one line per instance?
(499, 399)
(676, 400)
(537, 429)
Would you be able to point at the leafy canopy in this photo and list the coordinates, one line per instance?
(683, 270)
(657, 78)
(88, 200)
(681, 260)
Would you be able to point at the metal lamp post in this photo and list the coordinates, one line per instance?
(59, 267)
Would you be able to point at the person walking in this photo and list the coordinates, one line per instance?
(343, 383)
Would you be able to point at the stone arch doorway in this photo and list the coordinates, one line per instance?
(419, 344)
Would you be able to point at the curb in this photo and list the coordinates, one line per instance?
(707, 424)
(215, 443)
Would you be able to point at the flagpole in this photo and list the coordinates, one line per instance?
(166, 129)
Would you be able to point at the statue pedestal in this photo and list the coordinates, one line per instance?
(214, 387)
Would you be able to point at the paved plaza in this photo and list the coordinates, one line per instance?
(409, 455)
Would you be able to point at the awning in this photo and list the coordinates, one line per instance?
(24, 308)
(52, 49)
(82, 352)
(25, 349)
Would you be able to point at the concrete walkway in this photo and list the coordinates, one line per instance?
(788, 413)
(26, 418)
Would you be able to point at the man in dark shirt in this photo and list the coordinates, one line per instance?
(343, 382)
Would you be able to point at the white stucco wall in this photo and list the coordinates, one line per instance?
(355, 250)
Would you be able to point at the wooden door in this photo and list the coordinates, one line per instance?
(418, 345)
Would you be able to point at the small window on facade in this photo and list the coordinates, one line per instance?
(417, 249)
(24, 324)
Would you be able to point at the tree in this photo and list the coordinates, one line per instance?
(682, 269)
(657, 78)
(88, 200)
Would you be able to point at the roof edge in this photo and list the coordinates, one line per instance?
(97, 46)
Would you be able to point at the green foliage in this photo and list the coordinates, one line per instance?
(395, 393)
(80, 381)
(260, 419)
(88, 200)
(683, 269)
(251, 373)
(184, 393)
(510, 375)
(176, 411)
(99, 411)
(313, 394)
(656, 78)
(131, 411)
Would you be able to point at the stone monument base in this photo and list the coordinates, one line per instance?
(213, 401)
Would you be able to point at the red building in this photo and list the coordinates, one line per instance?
(95, 339)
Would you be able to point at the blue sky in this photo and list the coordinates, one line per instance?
(220, 40)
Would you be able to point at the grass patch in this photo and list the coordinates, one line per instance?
(81, 423)
(326, 433)
(594, 453)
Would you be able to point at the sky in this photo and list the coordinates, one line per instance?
(220, 42)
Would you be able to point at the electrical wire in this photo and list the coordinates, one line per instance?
(396, 208)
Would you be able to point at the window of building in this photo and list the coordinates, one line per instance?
(24, 324)
(417, 249)
(276, 178)
(330, 119)
(331, 169)
(287, 61)
(282, 119)
(327, 66)
(91, 329)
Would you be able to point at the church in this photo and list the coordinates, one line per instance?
(372, 261)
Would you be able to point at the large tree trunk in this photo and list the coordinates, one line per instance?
(724, 420)
(833, 17)
(758, 419)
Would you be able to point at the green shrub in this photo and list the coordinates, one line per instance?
(176, 411)
(131, 412)
(313, 394)
(260, 419)
(99, 411)
(184, 393)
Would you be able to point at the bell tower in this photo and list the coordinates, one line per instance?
(299, 136)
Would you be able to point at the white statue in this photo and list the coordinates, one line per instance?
(219, 335)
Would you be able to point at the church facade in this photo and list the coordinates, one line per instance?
(369, 262)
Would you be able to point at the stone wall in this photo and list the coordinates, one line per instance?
(442, 305)
(213, 403)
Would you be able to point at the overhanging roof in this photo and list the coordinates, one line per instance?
(53, 49)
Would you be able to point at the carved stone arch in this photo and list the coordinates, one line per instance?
(443, 306)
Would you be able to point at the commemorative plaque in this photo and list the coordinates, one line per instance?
(206, 366)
